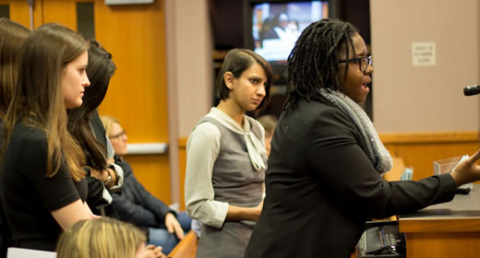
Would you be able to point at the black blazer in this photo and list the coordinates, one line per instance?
(321, 187)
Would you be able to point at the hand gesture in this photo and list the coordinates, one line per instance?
(467, 171)
(172, 225)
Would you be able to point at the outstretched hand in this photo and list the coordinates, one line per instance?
(467, 171)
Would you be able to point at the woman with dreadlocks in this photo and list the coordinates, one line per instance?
(324, 170)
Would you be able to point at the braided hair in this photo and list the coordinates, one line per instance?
(313, 62)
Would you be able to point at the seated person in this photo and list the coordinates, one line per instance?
(104, 237)
(136, 205)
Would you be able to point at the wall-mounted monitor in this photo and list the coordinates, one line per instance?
(273, 26)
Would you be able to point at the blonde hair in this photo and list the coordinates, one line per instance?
(104, 237)
(108, 122)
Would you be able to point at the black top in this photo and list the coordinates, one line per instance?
(321, 187)
(28, 196)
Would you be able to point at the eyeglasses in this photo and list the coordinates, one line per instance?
(363, 62)
(118, 135)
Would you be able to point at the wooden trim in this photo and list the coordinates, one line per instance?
(186, 248)
(182, 142)
(452, 224)
(429, 137)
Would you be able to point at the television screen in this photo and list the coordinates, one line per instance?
(277, 25)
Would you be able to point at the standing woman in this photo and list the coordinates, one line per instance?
(324, 170)
(226, 158)
(42, 183)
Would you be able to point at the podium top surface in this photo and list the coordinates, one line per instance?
(460, 214)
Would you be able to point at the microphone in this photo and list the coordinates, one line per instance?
(471, 90)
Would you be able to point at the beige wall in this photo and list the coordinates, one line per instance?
(405, 98)
(190, 73)
(191, 47)
(425, 99)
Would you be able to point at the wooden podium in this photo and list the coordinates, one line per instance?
(447, 230)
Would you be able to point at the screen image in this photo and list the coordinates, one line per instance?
(276, 26)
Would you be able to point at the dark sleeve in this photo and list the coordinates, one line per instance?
(95, 198)
(131, 212)
(150, 202)
(56, 192)
(342, 167)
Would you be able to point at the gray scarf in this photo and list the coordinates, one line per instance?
(378, 154)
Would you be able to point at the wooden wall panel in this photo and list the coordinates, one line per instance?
(135, 35)
(61, 11)
(420, 150)
(19, 11)
(182, 157)
(137, 96)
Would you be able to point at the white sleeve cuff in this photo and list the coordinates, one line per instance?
(120, 177)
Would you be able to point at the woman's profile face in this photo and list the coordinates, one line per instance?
(74, 81)
(249, 89)
(354, 83)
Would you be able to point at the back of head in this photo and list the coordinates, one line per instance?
(102, 238)
(12, 36)
(313, 62)
(237, 61)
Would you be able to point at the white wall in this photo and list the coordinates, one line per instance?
(425, 99)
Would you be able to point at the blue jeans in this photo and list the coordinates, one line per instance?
(161, 237)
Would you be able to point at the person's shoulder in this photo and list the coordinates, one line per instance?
(318, 109)
(254, 123)
(28, 134)
(28, 143)
(206, 129)
(252, 120)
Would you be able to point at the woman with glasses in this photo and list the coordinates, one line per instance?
(324, 170)
(136, 205)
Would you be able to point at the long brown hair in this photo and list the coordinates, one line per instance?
(12, 36)
(100, 70)
(38, 100)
